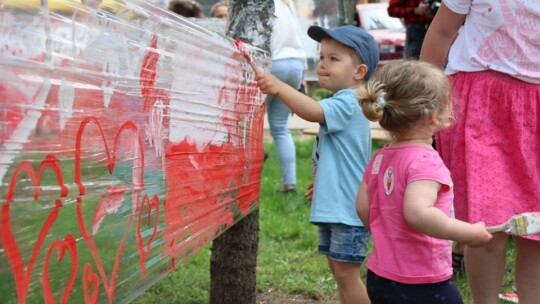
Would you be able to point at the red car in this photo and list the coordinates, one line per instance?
(389, 32)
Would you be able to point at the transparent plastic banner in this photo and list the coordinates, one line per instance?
(129, 139)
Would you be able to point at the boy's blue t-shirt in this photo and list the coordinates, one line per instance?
(343, 146)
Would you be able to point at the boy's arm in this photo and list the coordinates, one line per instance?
(362, 205)
(422, 215)
(302, 105)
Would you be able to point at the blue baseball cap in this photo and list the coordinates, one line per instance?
(363, 43)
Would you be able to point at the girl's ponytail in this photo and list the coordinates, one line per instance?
(371, 97)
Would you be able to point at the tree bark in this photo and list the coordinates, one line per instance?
(233, 263)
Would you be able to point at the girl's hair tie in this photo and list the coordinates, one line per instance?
(381, 102)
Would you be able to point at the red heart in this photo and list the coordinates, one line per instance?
(22, 277)
(90, 279)
(149, 205)
(138, 180)
(69, 244)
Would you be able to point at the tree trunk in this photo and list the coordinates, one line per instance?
(233, 263)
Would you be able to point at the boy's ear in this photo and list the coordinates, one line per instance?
(360, 72)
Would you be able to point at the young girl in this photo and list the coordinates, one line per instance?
(406, 194)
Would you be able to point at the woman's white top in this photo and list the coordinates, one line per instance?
(286, 42)
(499, 35)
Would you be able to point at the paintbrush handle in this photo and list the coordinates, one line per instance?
(499, 228)
(254, 67)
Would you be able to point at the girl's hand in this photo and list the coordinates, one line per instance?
(480, 236)
(268, 84)
(309, 193)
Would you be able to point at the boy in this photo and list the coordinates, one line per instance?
(348, 57)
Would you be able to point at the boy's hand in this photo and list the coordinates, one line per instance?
(268, 84)
(480, 235)
(309, 193)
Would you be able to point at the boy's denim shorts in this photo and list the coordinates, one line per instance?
(343, 243)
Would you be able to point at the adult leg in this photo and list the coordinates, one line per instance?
(485, 269)
(290, 72)
(527, 270)
(351, 288)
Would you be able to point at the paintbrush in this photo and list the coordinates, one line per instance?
(240, 46)
(519, 224)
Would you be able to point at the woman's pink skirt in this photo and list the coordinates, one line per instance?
(493, 149)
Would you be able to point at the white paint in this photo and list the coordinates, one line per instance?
(23, 130)
(66, 97)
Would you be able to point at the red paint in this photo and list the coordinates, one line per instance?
(108, 281)
(139, 159)
(109, 203)
(212, 190)
(148, 77)
(204, 200)
(69, 244)
(13, 254)
(240, 46)
(149, 205)
(90, 282)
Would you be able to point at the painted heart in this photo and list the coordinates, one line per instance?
(10, 245)
(138, 180)
(61, 246)
(90, 281)
(149, 205)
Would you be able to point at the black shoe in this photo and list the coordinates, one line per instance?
(286, 190)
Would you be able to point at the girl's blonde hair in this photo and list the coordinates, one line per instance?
(404, 94)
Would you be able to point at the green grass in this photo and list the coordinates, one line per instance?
(288, 262)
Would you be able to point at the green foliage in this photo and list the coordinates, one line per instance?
(318, 93)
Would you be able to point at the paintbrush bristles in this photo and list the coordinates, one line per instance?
(519, 224)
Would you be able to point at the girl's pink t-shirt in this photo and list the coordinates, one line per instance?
(401, 253)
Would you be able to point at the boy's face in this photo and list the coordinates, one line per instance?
(339, 67)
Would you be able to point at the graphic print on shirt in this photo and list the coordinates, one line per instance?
(389, 180)
(376, 164)
(516, 40)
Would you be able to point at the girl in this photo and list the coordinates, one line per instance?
(406, 194)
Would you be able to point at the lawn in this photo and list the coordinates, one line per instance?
(288, 264)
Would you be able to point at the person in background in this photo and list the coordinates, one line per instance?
(406, 194)
(186, 8)
(416, 16)
(348, 56)
(288, 61)
(220, 10)
(492, 151)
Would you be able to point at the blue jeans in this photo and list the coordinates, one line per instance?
(290, 72)
(343, 243)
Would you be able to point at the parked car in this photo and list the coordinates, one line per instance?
(389, 32)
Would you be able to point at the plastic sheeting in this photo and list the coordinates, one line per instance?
(129, 139)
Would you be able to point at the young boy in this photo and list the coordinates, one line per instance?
(342, 149)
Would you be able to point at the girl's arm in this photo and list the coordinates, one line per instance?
(302, 105)
(362, 204)
(422, 215)
(440, 35)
